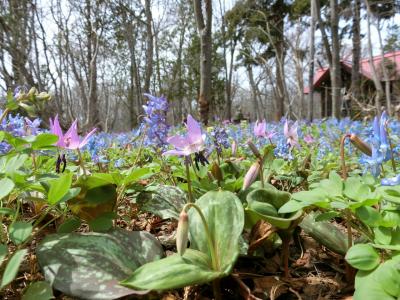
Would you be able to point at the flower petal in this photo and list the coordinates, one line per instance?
(175, 152)
(194, 130)
(56, 129)
(71, 138)
(86, 138)
(178, 141)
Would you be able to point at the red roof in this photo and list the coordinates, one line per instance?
(365, 68)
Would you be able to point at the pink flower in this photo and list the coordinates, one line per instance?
(291, 134)
(259, 128)
(193, 142)
(309, 139)
(71, 138)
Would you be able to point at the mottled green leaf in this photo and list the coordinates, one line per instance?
(38, 290)
(224, 215)
(162, 200)
(90, 265)
(175, 271)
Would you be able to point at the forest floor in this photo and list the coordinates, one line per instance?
(316, 273)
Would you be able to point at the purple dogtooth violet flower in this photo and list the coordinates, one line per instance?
(309, 139)
(260, 128)
(71, 139)
(193, 142)
(291, 135)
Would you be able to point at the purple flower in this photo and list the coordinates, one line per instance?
(391, 181)
(259, 128)
(290, 133)
(309, 139)
(71, 138)
(32, 127)
(193, 142)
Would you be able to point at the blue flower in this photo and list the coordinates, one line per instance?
(391, 181)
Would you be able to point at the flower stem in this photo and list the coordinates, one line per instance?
(189, 182)
(342, 158)
(261, 161)
(391, 149)
(81, 162)
(4, 114)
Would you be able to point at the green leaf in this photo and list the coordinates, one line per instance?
(173, 272)
(12, 267)
(6, 186)
(59, 188)
(224, 215)
(137, 174)
(162, 200)
(327, 216)
(6, 211)
(38, 290)
(19, 232)
(103, 222)
(71, 193)
(90, 265)
(96, 180)
(369, 216)
(259, 202)
(325, 233)
(355, 189)
(367, 287)
(44, 140)
(14, 163)
(363, 257)
(69, 225)
(3, 252)
(390, 193)
(383, 235)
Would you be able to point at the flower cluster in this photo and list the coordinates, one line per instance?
(220, 139)
(18, 126)
(156, 121)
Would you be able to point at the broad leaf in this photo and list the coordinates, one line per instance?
(363, 257)
(38, 290)
(59, 188)
(175, 271)
(3, 252)
(90, 265)
(224, 215)
(44, 140)
(162, 200)
(6, 186)
(12, 267)
(19, 231)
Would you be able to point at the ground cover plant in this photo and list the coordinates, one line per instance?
(288, 210)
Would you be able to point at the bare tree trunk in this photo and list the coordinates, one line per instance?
(204, 28)
(385, 71)
(355, 71)
(257, 113)
(377, 83)
(335, 69)
(150, 46)
(310, 114)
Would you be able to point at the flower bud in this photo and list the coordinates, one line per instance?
(234, 148)
(216, 171)
(254, 149)
(360, 145)
(182, 233)
(251, 175)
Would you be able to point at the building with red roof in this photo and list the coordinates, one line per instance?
(322, 83)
